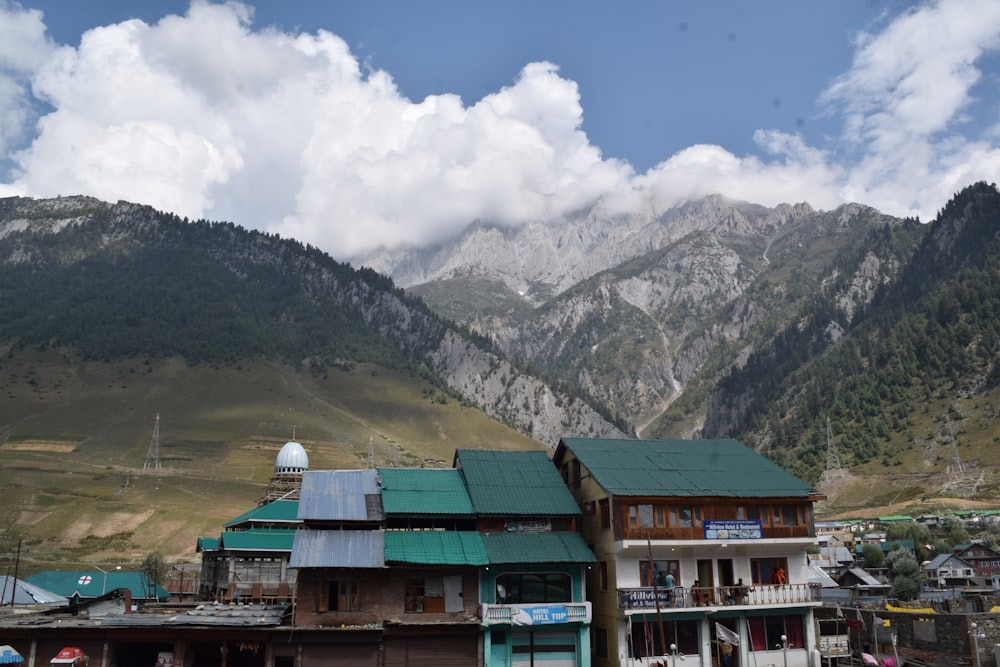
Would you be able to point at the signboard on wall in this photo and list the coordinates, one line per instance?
(539, 615)
(735, 529)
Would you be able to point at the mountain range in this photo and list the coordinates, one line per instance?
(831, 341)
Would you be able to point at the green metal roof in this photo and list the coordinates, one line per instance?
(95, 583)
(514, 483)
(434, 547)
(207, 543)
(257, 540)
(682, 468)
(278, 511)
(537, 548)
(424, 491)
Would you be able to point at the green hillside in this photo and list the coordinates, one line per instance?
(76, 435)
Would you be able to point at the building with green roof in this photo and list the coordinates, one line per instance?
(690, 536)
(79, 585)
(533, 591)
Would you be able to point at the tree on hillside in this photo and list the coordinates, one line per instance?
(954, 530)
(155, 567)
(904, 574)
(873, 556)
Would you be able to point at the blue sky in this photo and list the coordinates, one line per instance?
(352, 125)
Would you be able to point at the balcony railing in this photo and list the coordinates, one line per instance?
(680, 597)
(535, 614)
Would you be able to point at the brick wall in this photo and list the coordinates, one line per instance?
(381, 596)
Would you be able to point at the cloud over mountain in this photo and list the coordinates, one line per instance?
(207, 115)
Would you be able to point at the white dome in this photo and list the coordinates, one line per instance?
(292, 458)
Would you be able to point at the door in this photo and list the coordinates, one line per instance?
(706, 581)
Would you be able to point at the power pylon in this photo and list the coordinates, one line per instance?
(832, 458)
(153, 455)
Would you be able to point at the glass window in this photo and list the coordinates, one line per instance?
(536, 587)
(766, 571)
(789, 515)
(685, 516)
(766, 631)
(605, 510)
(645, 516)
(660, 569)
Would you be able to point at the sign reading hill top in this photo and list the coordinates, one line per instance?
(732, 530)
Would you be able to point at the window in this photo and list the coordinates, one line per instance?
(602, 570)
(660, 569)
(340, 595)
(535, 587)
(575, 467)
(764, 571)
(433, 595)
(414, 596)
(605, 508)
(685, 516)
(789, 515)
(640, 516)
(766, 631)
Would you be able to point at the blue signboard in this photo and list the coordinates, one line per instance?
(645, 597)
(540, 615)
(736, 529)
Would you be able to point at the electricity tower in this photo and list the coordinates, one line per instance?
(833, 469)
(153, 455)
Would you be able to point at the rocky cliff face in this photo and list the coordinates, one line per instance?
(638, 310)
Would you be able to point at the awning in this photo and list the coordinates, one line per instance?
(70, 655)
(8, 656)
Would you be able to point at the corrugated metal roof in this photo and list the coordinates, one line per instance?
(340, 495)
(435, 547)
(338, 548)
(207, 544)
(257, 540)
(424, 491)
(683, 468)
(94, 583)
(277, 512)
(514, 483)
(23, 592)
(537, 548)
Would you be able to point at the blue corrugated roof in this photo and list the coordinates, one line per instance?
(23, 592)
(340, 495)
(682, 468)
(338, 548)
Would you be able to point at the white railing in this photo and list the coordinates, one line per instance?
(646, 597)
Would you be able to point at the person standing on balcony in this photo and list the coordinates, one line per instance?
(779, 576)
(669, 584)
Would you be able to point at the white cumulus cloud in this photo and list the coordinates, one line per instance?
(207, 116)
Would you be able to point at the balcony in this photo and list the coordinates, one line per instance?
(535, 614)
(751, 596)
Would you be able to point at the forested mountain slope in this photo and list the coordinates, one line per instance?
(122, 281)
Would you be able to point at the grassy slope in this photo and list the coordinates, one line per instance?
(74, 437)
